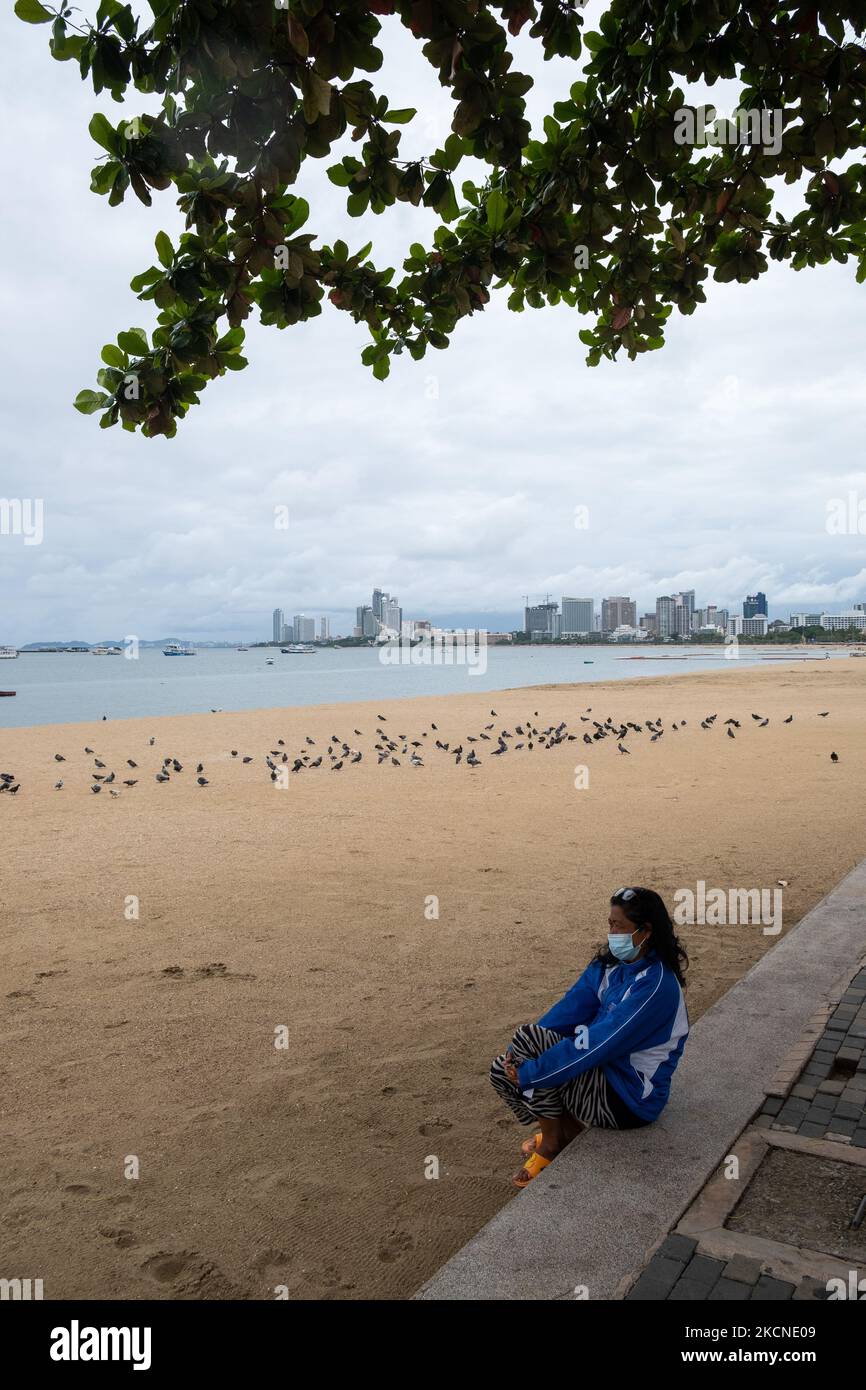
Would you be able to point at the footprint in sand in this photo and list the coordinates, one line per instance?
(436, 1126)
(395, 1245)
(188, 1274)
(79, 1188)
(121, 1237)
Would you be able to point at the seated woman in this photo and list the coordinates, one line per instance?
(605, 1054)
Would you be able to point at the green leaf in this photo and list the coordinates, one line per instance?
(32, 12)
(399, 117)
(113, 356)
(497, 210)
(357, 203)
(339, 175)
(164, 249)
(103, 132)
(88, 402)
(134, 341)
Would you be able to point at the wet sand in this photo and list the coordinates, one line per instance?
(304, 913)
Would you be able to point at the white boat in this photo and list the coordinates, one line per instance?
(298, 649)
(106, 651)
(177, 649)
(6, 653)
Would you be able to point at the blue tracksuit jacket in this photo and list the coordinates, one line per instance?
(630, 1020)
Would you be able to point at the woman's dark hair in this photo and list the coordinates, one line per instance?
(644, 907)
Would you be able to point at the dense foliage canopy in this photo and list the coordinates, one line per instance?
(610, 212)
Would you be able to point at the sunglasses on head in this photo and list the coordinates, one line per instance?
(626, 894)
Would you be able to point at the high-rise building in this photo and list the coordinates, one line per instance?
(366, 622)
(685, 619)
(538, 621)
(305, 628)
(806, 619)
(754, 604)
(576, 617)
(379, 599)
(278, 625)
(391, 615)
(287, 633)
(324, 629)
(665, 616)
(755, 626)
(649, 623)
(618, 612)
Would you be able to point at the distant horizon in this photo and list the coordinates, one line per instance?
(489, 620)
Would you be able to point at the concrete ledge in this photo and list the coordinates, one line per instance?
(592, 1217)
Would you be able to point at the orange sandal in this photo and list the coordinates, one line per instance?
(531, 1144)
(534, 1165)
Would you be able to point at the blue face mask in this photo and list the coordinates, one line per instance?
(620, 945)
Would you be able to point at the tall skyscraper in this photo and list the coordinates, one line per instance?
(755, 604)
(665, 616)
(366, 622)
(541, 621)
(305, 628)
(618, 612)
(324, 629)
(685, 601)
(391, 615)
(576, 618)
(287, 633)
(278, 625)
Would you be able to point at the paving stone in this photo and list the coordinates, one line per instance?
(764, 1122)
(835, 1138)
(648, 1289)
(831, 1088)
(677, 1247)
(802, 1092)
(809, 1288)
(793, 1107)
(742, 1269)
(685, 1292)
(822, 1102)
(848, 1054)
(784, 1129)
(812, 1131)
(845, 1111)
(772, 1105)
(858, 1138)
(729, 1291)
(768, 1288)
(702, 1269)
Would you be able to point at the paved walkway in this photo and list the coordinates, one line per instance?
(595, 1224)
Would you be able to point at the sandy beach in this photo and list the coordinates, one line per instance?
(157, 945)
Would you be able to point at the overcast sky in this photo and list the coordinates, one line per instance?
(707, 466)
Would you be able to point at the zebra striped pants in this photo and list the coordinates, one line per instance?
(588, 1097)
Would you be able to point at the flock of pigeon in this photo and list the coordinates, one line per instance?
(398, 749)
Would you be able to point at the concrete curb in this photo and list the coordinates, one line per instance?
(589, 1221)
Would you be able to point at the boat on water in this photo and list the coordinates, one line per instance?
(6, 692)
(106, 651)
(177, 649)
(269, 661)
(241, 649)
(298, 649)
(7, 653)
